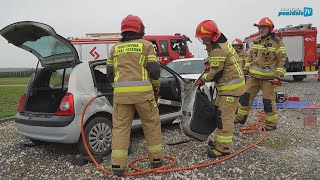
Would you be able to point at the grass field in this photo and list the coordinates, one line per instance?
(14, 81)
(9, 97)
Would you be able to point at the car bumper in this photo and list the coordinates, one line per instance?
(44, 120)
(53, 133)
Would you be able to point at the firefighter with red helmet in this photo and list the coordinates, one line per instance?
(226, 71)
(265, 63)
(237, 44)
(133, 69)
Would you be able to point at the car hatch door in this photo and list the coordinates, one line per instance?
(51, 49)
(199, 115)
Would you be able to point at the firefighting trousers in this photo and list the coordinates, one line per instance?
(227, 107)
(253, 86)
(123, 115)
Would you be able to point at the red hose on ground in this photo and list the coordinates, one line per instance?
(253, 128)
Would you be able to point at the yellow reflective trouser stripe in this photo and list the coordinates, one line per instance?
(119, 153)
(268, 74)
(232, 86)
(133, 89)
(155, 148)
(117, 72)
(239, 69)
(109, 61)
(272, 118)
(225, 139)
(128, 48)
(242, 112)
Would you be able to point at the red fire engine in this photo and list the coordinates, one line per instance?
(98, 45)
(301, 45)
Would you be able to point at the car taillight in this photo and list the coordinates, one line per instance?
(66, 107)
(22, 101)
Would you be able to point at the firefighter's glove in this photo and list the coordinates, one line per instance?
(156, 91)
(200, 82)
(245, 72)
(206, 66)
(278, 75)
(276, 81)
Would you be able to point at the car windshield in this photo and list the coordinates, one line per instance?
(179, 46)
(48, 46)
(185, 67)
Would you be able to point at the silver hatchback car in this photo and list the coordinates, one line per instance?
(51, 107)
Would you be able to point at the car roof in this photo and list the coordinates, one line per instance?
(188, 59)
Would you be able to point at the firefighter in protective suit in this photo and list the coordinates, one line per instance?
(226, 71)
(237, 44)
(135, 73)
(265, 66)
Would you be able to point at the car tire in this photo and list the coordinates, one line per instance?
(98, 133)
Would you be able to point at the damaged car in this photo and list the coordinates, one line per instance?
(51, 107)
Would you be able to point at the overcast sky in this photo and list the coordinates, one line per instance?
(78, 17)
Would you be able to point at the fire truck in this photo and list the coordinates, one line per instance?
(301, 46)
(97, 46)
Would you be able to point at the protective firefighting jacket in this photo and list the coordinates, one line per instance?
(225, 70)
(267, 58)
(133, 69)
(243, 55)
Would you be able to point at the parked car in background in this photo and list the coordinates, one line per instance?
(191, 69)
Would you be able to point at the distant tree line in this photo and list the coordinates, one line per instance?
(16, 74)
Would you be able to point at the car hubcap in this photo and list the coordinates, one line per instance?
(100, 137)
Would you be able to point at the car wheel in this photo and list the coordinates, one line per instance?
(98, 137)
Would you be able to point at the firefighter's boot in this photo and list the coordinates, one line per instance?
(270, 127)
(241, 120)
(156, 163)
(211, 144)
(214, 153)
(117, 172)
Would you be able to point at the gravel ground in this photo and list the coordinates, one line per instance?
(290, 152)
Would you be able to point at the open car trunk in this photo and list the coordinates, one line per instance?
(47, 90)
